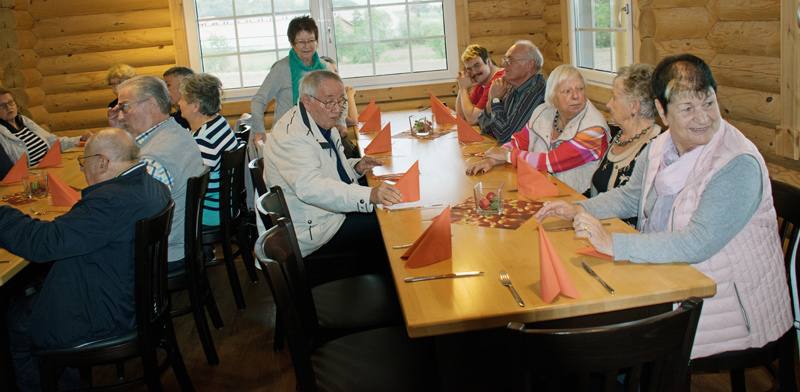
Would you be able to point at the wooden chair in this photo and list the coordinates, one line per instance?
(232, 221)
(785, 198)
(154, 324)
(652, 354)
(256, 167)
(380, 359)
(193, 277)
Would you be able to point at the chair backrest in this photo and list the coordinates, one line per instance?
(279, 256)
(786, 199)
(654, 351)
(232, 193)
(272, 206)
(150, 271)
(196, 188)
(256, 167)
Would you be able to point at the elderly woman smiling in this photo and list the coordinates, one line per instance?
(565, 136)
(682, 194)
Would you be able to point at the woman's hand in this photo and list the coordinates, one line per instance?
(560, 209)
(589, 227)
(482, 166)
(496, 153)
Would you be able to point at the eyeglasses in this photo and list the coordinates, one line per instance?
(125, 107)
(329, 105)
(509, 60)
(306, 42)
(82, 159)
(7, 105)
(475, 67)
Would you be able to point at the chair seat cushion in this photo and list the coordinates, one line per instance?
(383, 359)
(356, 303)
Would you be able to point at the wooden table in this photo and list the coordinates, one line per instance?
(450, 306)
(15, 274)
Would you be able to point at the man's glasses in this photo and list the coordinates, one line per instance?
(306, 42)
(82, 158)
(329, 105)
(125, 107)
(7, 105)
(475, 67)
(509, 60)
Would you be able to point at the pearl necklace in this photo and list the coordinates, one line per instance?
(555, 124)
(631, 140)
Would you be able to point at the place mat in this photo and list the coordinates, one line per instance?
(439, 132)
(515, 213)
(18, 199)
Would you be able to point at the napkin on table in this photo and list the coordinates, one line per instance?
(408, 184)
(367, 113)
(16, 173)
(434, 245)
(382, 142)
(61, 194)
(53, 156)
(532, 183)
(466, 134)
(590, 251)
(554, 278)
(373, 123)
(442, 113)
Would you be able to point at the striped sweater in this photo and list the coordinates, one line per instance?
(213, 138)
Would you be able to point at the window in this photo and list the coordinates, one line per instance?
(601, 30)
(374, 42)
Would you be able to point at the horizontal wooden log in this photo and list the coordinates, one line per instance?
(782, 169)
(787, 142)
(102, 23)
(754, 38)
(24, 20)
(679, 3)
(516, 26)
(599, 94)
(36, 96)
(9, 38)
(500, 45)
(20, 96)
(745, 9)
(552, 2)
(6, 3)
(762, 137)
(20, 5)
(697, 47)
(748, 72)
(27, 39)
(78, 119)
(88, 62)
(44, 9)
(13, 78)
(104, 42)
(751, 106)
(28, 58)
(682, 23)
(8, 20)
(406, 93)
(39, 115)
(33, 78)
(549, 66)
(499, 9)
(552, 52)
(647, 23)
(552, 14)
(9, 58)
(88, 81)
(84, 100)
(553, 32)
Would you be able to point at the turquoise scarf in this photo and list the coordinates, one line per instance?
(298, 70)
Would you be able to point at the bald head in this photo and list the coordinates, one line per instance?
(108, 153)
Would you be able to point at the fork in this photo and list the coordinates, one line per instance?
(34, 212)
(506, 281)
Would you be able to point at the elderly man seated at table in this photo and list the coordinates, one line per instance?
(168, 150)
(682, 194)
(565, 136)
(88, 293)
(330, 211)
(20, 135)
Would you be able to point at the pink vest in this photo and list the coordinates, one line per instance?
(749, 272)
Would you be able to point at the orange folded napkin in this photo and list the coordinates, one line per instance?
(590, 251)
(554, 278)
(382, 142)
(373, 123)
(409, 184)
(53, 156)
(367, 113)
(434, 245)
(19, 170)
(81, 144)
(466, 134)
(532, 183)
(442, 113)
(61, 194)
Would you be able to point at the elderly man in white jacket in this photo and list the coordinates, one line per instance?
(330, 211)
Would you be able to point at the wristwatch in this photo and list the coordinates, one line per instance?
(495, 100)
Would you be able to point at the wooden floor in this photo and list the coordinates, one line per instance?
(248, 363)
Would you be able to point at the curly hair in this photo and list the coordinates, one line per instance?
(120, 71)
(205, 89)
(635, 81)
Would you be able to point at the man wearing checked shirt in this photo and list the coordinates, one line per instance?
(168, 150)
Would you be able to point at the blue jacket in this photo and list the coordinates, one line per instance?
(89, 292)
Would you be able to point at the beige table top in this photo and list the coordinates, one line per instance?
(71, 174)
(465, 304)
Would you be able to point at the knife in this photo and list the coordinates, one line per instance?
(413, 208)
(599, 279)
(570, 227)
(444, 276)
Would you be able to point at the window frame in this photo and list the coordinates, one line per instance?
(322, 11)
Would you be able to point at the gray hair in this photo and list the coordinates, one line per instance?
(635, 82)
(115, 144)
(146, 87)
(561, 73)
(310, 83)
(120, 71)
(532, 53)
(205, 89)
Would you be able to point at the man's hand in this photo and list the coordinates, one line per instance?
(499, 89)
(113, 118)
(367, 163)
(464, 81)
(260, 137)
(342, 131)
(86, 136)
(386, 194)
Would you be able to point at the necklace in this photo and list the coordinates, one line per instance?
(631, 140)
(555, 124)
